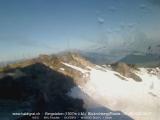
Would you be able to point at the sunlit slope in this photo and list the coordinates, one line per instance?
(110, 89)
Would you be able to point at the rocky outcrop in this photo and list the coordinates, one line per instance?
(126, 71)
(75, 59)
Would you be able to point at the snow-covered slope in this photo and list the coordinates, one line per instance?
(105, 87)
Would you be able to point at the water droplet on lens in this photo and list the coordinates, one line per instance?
(100, 20)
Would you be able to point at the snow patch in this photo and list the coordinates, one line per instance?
(62, 69)
(76, 68)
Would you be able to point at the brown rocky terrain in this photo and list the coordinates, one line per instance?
(126, 70)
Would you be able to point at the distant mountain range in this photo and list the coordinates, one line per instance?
(100, 58)
(146, 60)
(138, 58)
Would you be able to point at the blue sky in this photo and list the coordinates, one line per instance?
(32, 27)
